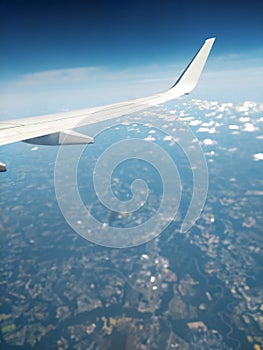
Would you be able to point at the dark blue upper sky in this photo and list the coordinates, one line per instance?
(43, 35)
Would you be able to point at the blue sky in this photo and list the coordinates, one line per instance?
(59, 55)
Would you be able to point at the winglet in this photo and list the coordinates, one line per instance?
(189, 78)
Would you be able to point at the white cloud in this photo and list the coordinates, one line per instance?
(60, 76)
(249, 127)
(209, 142)
(258, 156)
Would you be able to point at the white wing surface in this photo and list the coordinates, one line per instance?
(52, 129)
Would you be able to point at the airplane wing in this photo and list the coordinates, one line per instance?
(56, 129)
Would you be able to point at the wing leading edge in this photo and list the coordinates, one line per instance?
(50, 129)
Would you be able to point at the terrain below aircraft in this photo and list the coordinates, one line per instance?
(56, 129)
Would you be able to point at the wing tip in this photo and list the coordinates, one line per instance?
(190, 76)
(212, 39)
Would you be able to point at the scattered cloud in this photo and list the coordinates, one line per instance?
(258, 156)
